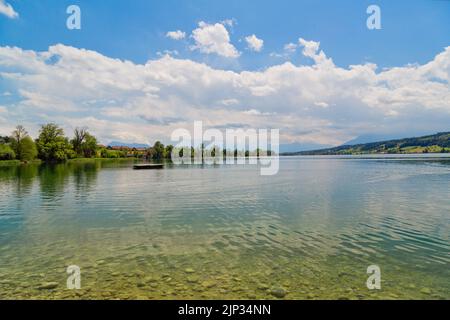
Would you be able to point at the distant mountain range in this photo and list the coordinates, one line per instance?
(435, 143)
(295, 147)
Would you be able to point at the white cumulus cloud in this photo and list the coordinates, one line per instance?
(290, 47)
(254, 43)
(7, 10)
(213, 38)
(176, 35)
(120, 100)
(311, 50)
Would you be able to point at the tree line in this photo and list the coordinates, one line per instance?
(53, 146)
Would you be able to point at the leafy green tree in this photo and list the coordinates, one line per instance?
(84, 144)
(6, 152)
(168, 151)
(89, 145)
(157, 151)
(16, 140)
(113, 154)
(5, 140)
(22, 144)
(104, 153)
(52, 145)
(29, 149)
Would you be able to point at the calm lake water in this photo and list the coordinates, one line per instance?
(206, 232)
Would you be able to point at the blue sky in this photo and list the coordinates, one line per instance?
(269, 86)
(412, 31)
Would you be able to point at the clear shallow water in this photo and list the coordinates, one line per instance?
(226, 232)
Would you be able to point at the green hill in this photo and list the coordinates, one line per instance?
(436, 143)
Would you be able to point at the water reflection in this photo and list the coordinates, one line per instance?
(22, 176)
(55, 178)
(226, 231)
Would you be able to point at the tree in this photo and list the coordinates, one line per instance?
(29, 150)
(84, 144)
(5, 140)
(78, 139)
(168, 151)
(16, 140)
(6, 152)
(157, 151)
(52, 145)
(202, 150)
(89, 145)
(22, 144)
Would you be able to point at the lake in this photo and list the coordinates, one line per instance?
(226, 232)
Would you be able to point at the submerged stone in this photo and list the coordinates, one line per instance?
(425, 291)
(263, 286)
(208, 284)
(48, 286)
(192, 279)
(278, 292)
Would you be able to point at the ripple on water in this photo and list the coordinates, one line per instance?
(311, 231)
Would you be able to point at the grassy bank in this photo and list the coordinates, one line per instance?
(5, 163)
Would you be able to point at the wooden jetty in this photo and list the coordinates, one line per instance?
(147, 166)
